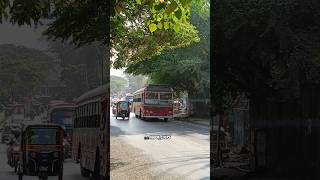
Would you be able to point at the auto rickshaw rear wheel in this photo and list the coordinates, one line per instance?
(20, 176)
(84, 172)
(15, 168)
(60, 177)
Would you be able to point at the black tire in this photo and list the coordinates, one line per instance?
(84, 172)
(165, 119)
(96, 171)
(60, 177)
(15, 168)
(116, 117)
(136, 116)
(20, 176)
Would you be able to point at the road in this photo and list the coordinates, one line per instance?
(71, 170)
(187, 153)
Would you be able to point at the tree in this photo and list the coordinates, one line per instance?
(23, 71)
(81, 67)
(85, 22)
(117, 84)
(265, 49)
(184, 69)
(136, 82)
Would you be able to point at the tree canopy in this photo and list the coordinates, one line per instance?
(117, 84)
(184, 69)
(267, 49)
(23, 70)
(138, 28)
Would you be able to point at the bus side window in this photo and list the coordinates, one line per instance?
(83, 116)
(87, 115)
(100, 110)
(75, 119)
(96, 112)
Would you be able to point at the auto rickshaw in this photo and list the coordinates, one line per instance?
(123, 109)
(41, 151)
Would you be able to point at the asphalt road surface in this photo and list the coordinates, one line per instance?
(186, 153)
(71, 170)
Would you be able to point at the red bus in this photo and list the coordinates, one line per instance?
(153, 101)
(90, 145)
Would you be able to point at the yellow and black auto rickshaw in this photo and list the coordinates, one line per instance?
(41, 151)
(123, 110)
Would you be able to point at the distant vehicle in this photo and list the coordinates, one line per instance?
(153, 101)
(122, 110)
(129, 97)
(41, 151)
(91, 132)
(62, 114)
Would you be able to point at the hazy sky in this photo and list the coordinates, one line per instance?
(24, 35)
(117, 72)
(30, 37)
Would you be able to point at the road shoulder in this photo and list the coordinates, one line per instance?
(128, 162)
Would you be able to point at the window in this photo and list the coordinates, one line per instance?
(165, 98)
(151, 98)
(43, 136)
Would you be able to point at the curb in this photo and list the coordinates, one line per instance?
(192, 122)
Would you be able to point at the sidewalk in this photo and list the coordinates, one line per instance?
(199, 121)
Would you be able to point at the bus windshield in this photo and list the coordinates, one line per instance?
(151, 98)
(43, 136)
(165, 98)
(62, 117)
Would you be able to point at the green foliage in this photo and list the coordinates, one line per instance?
(267, 49)
(85, 22)
(23, 70)
(81, 67)
(117, 84)
(184, 68)
(136, 82)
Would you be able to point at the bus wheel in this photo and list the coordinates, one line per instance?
(15, 168)
(165, 119)
(60, 177)
(20, 176)
(116, 117)
(84, 172)
(96, 171)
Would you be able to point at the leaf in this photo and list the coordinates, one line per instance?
(159, 7)
(178, 14)
(159, 25)
(166, 25)
(176, 27)
(152, 27)
(138, 1)
(118, 8)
